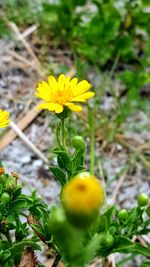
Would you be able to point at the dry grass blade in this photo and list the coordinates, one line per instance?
(25, 139)
(22, 124)
(119, 184)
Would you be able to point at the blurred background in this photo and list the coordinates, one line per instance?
(104, 41)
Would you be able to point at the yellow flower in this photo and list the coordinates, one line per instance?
(82, 197)
(63, 93)
(4, 118)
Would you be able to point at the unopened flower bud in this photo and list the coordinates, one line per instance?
(2, 170)
(106, 240)
(10, 183)
(123, 215)
(5, 198)
(142, 200)
(79, 143)
(82, 197)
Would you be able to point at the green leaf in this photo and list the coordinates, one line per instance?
(139, 249)
(37, 228)
(17, 248)
(122, 244)
(144, 231)
(124, 44)
(145, 264)
(59, 174)
(4, 256)
(17, 204)
(125, 245)
(64, 160)
(109, 213)
(92, 248)
(16, 192)
(103, 224)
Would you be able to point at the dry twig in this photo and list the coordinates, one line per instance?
(28, 259)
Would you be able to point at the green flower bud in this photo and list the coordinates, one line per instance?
(5, 198)
(106, 240)
(3, 178)
(10, 183)
(79, 143)
(123, 215)
(112, 230)
(142, 200)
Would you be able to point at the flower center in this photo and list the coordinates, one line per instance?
(62, 96)
(81, 188)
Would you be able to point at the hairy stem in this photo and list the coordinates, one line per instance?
(92, 141)
(63, 137)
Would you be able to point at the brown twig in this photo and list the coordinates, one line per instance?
(56, 261)
(109, 261)
(29, 259)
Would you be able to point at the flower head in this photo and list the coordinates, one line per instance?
(82, 197)
(63, 93)
(4, 119)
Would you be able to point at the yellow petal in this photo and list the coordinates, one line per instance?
(43, 95)
(81, 87)
(53, 83)
(44, 86)
(67, 82)
(61, 81)
(83, 97)
(73, 82)
(73, 107)
(59, 109)
(48, 105)
(44, 91)
(4, 119)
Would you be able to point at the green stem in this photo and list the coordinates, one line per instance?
(58, 135)
(92, 141)
(113, 67)
(103, 180)
(63, 137)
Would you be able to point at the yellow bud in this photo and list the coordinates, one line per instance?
(82, 197)
(2, 170)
